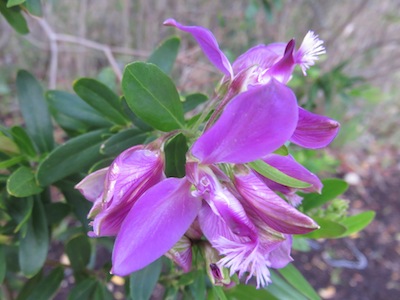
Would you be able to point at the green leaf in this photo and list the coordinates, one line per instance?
(56, 212)
(22, 183)
(329, 229)
(244, 291)
(78, 250)
(3, 265)
(301, 244)
(219, 292)
(152, 96)
(19, 210)
(7, 145)
(35, 111)
(101, 292)
(72, 113)
(83, 290)
(101, 98)
(165, 54)
(122, 141)
(175, 156)
(34, 245)
(283, 290)
(282, 151)
(333, 187)
(198, 287)
(274, 174)
(11, 3)
(11, 162)
(142, 282)
(76, 155)
(134, 118)
(357, 222)
(14, 17)
(34, 7)
(296, 279)
(30, 286)
(48, 286)
(193, 100)
(23, 141)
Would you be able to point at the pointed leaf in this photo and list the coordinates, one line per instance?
(23, 141)
(156, 104)
(35, 111)
(20, 210)
(274, 174)
(7, 145)
(101, 98)
(11, 3)
(357, 222)
(143, 282)
(329, 229)
(14, 17)
(165, 54)
(283, 290)
(76, 155)
(296, 279)
(34, 245)
(22, 183)
(193, 100)
(122, 141)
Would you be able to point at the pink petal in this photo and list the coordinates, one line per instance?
(314, 131)
(207, 43)
(253, 124)
(92, 186)
(280, 256)
(153, 226)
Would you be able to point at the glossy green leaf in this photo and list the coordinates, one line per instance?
(134, 118)
(193, 100)
(35, 111)
(274, 174)
(165, 54)
(48, 286)
(56, 212)
(101, 98)
(11, 162)
(152, 96)
(333, 187)
(14, 17)
(11, 3)
(83, 290)
(34, 245)
(296, 279)
(282, 289)
(34, 7)
(123, 140)
(7, 145)
(328, 229)
(72, 113)
(23, 141)
(175, 156)
(244, 291)
(142, 282)
(22, 183)
(76, 155)
(3, 264)
(357, 222)
(20, 211)
(78, 250)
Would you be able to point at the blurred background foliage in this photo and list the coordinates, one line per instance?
(355, 82)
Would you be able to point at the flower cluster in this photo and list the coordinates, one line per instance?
(247, 225)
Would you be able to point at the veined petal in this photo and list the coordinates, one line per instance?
(92, 186)
(270, 208)
(181, 253)
(314, 131)
(280, 256)
(207, 43)
(253, 124)
(154, 224)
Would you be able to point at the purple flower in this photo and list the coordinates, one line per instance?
(115, 189)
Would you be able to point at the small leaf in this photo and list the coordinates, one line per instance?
(34, 245)
(76, 155)
(123, 140)
(328, 229)
(101, 98)
(34, 7)
(7, 145)
(333, 187)
(11, 162)
(83, 290)
(11, 3)
(175, 156)
(22, 183)
(156, 104)
(296, 279)
(23, 141)
(165, 54)
(14, 17)
(35, 111)
(357, 222)
(48, 286)
(193, 100)
(78, 250)
(274, 174)
(142, 282)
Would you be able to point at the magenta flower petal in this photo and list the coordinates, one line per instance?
(253, 124)
(207, 43)
(154, 224)
(314, 131)
(92, 186)
(272, 209)
(280, 256)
